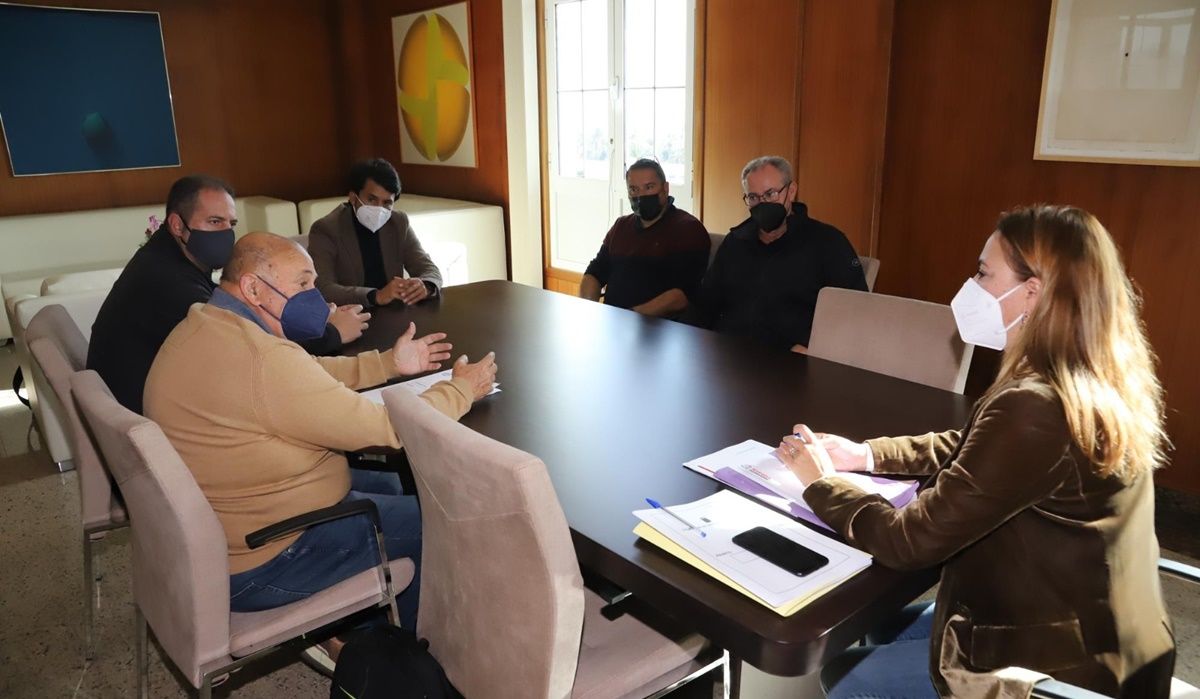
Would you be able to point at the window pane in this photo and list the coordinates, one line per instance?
(669, 121)
(639, 43)
(595, 44)
(595, 134)
(570, 134)
(639, 125)
(670, 44)
(568, 70)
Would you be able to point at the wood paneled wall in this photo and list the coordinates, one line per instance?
(751, 85)
(808, 80)
(280, 97)
(256, 102)
(965, 87)
(368, 68)
(913, 128)
(843, 114)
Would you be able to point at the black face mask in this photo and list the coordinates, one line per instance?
(210, 248)
(647, 207)
(768, 215)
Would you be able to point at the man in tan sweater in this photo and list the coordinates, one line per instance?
(263, 425)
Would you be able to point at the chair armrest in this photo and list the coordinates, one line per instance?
(291, 525)
(1053, 689)
(366, 507)
(1180, 570)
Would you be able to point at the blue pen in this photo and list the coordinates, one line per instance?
(658, 506)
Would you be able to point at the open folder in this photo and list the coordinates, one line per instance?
(752, 468)
(722, 516)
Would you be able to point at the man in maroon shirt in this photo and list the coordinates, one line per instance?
(652, 260)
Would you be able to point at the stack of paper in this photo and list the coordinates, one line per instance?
(752, 468)
(418, 386)
(722, 516)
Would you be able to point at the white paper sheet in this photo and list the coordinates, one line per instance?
(419, 385)
(725, 514)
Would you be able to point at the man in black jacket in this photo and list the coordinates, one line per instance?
(767, 273)
(172, 271)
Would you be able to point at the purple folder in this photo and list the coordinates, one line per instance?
(741, 483)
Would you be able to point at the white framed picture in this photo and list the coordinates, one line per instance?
(435, 86)
(1121, 83)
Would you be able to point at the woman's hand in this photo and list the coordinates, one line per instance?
(805, 456)
(845, 454)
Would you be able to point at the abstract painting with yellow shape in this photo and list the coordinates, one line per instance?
(434, 81)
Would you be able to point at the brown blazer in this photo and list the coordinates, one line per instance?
(333, 245)
(1047, 566)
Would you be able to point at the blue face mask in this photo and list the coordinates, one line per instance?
(304, 314)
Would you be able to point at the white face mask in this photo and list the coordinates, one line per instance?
(371, 217)
(978, 316)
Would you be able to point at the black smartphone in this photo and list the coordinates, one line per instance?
(780, 550)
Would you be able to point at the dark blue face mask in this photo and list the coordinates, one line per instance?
(304, 314)
(210, 248)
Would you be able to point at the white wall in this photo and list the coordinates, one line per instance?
(524, 164)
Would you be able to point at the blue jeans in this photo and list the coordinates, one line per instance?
(898, 669)
(328, 553)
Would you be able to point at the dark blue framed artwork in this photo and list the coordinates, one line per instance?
(84, 90)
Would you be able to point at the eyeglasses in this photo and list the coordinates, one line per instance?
(770, 195)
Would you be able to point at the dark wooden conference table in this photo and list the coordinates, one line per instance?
(614, 403)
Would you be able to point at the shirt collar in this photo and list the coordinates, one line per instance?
(227, 301)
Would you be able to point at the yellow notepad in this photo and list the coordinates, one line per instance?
(655, 537)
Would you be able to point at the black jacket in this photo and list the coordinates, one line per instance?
(769, 292)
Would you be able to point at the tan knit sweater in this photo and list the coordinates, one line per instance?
(262, 425)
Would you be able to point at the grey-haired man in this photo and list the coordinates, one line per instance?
(767, 273)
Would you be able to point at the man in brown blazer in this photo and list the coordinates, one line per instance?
(363, 249)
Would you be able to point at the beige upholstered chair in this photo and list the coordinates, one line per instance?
(48, 413)
(909, 339)
(870, 268)
(301, 239)
(59, 349)
(180, 558)
(502, 600)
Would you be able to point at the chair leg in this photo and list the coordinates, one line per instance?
(141, 661)
(385, 580)
(89, 599)
(732, 671)
(205, 691)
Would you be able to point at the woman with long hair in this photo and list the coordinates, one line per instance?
(1041, 510)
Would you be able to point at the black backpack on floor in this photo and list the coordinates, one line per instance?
(386, 662)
